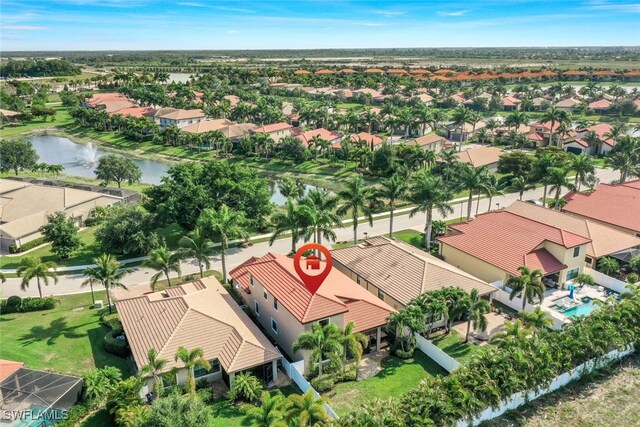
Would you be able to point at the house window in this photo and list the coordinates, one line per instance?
(274, 325)
(324, 322)
(256, 306)
(264, 294)
(588, 260)
(215, 368)
(576, 252)
(571, 274)
(251, 280)
(275, 303)
(380, 294)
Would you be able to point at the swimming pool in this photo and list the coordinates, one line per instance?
(583, 309)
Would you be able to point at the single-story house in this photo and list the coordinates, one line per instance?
(134, 112)
(578, 142)
(24, 207)
(331, 136)
(178, 117)
(373, 141)
(601, 106)
(493, 245)
(285, 308)
(464, 132)
(481, 156)
(396, 272)
(510, 103)
(605, 240)
(199, 314)
(9, 116)
(209, 125)
(615, 205)
(568, 104)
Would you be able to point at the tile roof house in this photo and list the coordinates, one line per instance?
(8, 115)
(433, 142)
(493, 245)
(601, 106)
(108, 101)
(208, 125)
(276, 131)
(134, 112)
(615, 205)
(373, 141)
(578, 142)
(328, 135)
(605, 240)
(397, 272)
(568, 104)
(178, 117)
(198, 314)
(285, 308)
(481, 156)
(464, 132)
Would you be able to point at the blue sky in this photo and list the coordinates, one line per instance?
(270, 24)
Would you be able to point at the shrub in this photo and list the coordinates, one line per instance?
(14, 301)
(632, 278)
(246, 387)
(323, 383)
(349, 374)
(114, 345)
(27, 304)
(26, 246)
(112, 321)
(404, 354)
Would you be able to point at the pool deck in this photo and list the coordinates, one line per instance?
(551, 297)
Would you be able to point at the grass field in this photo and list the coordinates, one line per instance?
(68, 338)
(62, 118)
(396, 378)
(90, 249)
(606, 399)
(454, 345)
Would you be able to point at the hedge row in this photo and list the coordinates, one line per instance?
(26, 246)
(114, 345)
(15, 304)
(327, 381)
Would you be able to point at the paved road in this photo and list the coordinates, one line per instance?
(71, 283)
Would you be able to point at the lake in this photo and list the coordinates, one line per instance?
(81, 159)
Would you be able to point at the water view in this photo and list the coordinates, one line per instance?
(82, 159)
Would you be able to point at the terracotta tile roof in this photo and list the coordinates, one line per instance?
(419, 71)
(517, 242)
(604, 73)
(101, 98)
(347, 71)
(429, 139)
(397, 71)
(567, 103)
(199, 314)
(8, 367)
(9, 113)
(324, 71)
(605, 240)
(374, 71)
(366, 136)
(600, 129)
(444, 71)
(337, 294)
(543, 260)
(635, 73)
(480, 156)
(322, 132)
(207, 126)
(275, 127)
(612, 204)
(510, 101)
(535, 136)
(180, 114)
(402, 271)
(133, 112)
(602, 103)
(299, 72)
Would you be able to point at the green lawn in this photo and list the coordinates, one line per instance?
(101, 418)
(65, 339)
(453, 344)
(412, 237)
(62, 118)
(396, 378)
(90, 249)
(226, 414)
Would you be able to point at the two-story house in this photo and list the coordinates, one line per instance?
(285, 308)
(276, 131)
(493, 245)
(178, 117)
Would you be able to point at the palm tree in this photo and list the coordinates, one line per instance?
(608, 265)
(520, 184)
(31, 267)
(270, 413)
(154, 367)
(162, 260)
(294, 219)
(583, 279)
(554, 115)
(582, 165)
(625, 157)
(223, 224)
(472, 179)
(461, 116)
(392, 190)
(450, 159)
(528, 284)
(198, 247)
(429, 192)
(404, 323)
(321, 341)
(322, 207)
(108, 272)
(307, 410)
(491, 188)
(356, 197)
(536, 320)
(3, 279)
(354, 343)
(245, 386)
(192, 359)
(476, 311)
(512, 333)
(557, 179)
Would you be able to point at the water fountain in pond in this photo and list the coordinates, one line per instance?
(88, 155)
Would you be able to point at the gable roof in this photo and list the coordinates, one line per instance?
(325, 134)
(133, 112)
(208, 126)
(180, 114)
(518, 242)
(199, 314)
(275, 127)
(101, 98)
(402, 271)
(601, 103)
(605, 240)
(430, 139)
(480, 156)
(567, 103)
(366, 136)
(608, 203)
(338, 293)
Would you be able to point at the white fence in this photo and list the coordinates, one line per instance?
(606, 281)
(516, 304)
(521, 398)
(294, 371)
(447, 362)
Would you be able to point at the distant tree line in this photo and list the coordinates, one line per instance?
(39, 68)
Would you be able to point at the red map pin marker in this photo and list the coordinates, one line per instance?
(312, 263)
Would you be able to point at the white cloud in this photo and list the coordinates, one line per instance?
(454, 13)
(190, 4)
(233, 32)
(23, 28)
(614, 7)
(234, 9)
(388, 13)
